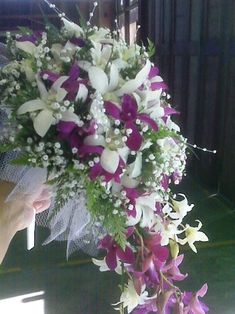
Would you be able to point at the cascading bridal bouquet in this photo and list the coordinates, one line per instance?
(94, 112)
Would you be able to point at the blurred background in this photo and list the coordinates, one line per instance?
(195, 51)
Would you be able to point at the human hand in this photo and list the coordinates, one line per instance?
(18, 213)
(33, 204)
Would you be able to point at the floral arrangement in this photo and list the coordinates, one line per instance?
(95, 113)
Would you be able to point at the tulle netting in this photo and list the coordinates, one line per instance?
(73, 223)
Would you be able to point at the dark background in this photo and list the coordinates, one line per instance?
(195, 44)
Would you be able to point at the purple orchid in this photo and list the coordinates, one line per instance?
(80, 42)
(165, 182)
(193, 305)
(155, 259)
(75, 87)
(50, 75)
(72, 84)
(70, 132)
(168, 111)
(151, 260)
(115, 252)
(97, 170)
(33, 38)
(156, 80)
(148, 307)
(172, 271)
(73, 134)
(128, 114)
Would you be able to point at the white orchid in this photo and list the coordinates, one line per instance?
(44, 106)
(26, 67)
(132, 85)
(101, 82)
(101, 35)
(103, 266)
(150, 101)
(168, 145)
(100, 54)
(104, 84)
(131, 299)
(26, 46)
(169, 230)
(145, 211)
(109, 158)
(181, 208)
(172, 126)
(192, 235)
(72, 28)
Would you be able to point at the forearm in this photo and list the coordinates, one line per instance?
(7, 229)
(6, 235)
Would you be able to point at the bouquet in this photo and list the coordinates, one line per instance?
(95, 113)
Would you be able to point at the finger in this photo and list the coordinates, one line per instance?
(43, 192)
(42, 205)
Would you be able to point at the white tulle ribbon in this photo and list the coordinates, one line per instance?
(31, 233)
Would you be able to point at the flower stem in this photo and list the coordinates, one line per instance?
(141, 243)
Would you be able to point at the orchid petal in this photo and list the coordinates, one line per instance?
(128, 87)
(56, 50)
(82, 93)
(157, 79)
(84, 65)
(129, 182)
(69, 116)
(169, 111)
(51, 76)
(146, 119)
(74, 72)
(95, 171)
(95, 140)
(140, 78)
(101, 263)
(61, 94)
(143, 74)
(154, 71)
(98, 79)
(31, 105)
(26, 46)
(126, 256)
(114, 77)
(56, 88)
(137, 166)
(111, 260)
(123, 153)
(134, 141)
(112, 110)
(88, 149)
(42, 89)
(65, 127)
(109, 160)
(72, 28)
(43, 121)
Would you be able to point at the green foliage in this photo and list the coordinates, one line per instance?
(162, 133)
(53, 33)
(82, 20)
(132, 70)
(151, 48)
(103, 207)
(25, 30)
(64, 189)
(6, 147)
(22, 160)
